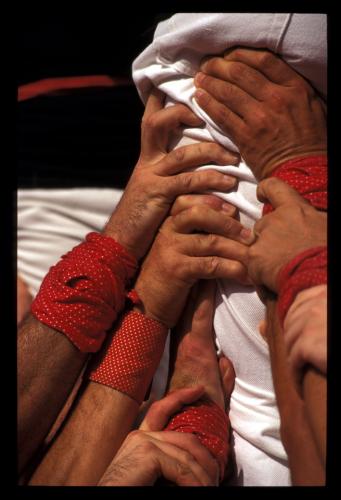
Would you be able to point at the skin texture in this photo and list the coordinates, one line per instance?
(306, 464)
(24, 299)
(272, 114)
(305, 331)
(159, 177)
(108, 411)
(197, 242)
(149, 453)
(269, 111)
(293, 227)
(155, 183)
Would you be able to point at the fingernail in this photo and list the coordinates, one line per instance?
(231, 181)
(228, 208)
(199, 78)
(201, 95)
(246, 234)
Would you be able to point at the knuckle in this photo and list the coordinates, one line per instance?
(237, 70)
(150, 122)
(222, 116)
(179, 154)
(212, 265)
(265, 58)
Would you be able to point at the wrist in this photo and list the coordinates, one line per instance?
(273, 165)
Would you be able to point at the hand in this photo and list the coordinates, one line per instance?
(293, 227)
(305, 331)
(178, 258)
(159, 177)
(147, 454)
(193, 350)
(268, 110)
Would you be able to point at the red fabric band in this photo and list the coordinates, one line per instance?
(306, 270)
(82, 295)
(308, 176)
(210, 424)
(134, 352)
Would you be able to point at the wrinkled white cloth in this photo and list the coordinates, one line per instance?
(170, 64)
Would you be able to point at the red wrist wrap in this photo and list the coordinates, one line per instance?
(308, 176)
(306, 270)
(133, 354)
(209, 423)
(82, 294)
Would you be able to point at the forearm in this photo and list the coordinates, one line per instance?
(315, 399)
(89, 439)
(48, 367)
(305, 465)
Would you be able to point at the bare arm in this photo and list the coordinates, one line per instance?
(304, 461)
(100, 421)
(48, 367)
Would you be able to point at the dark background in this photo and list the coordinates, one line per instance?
(87, 137)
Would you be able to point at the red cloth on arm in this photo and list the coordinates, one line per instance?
(306, 270)
(210, 424)
(132, 356)
(82, 295)
(309, 176)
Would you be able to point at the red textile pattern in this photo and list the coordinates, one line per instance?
(209, 423)
(308, 176)
(306, 270)
(83, 293)
(132, 356)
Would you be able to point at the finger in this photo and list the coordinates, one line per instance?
(160, 412)
(155, 102)
(205, 245)
(184, 202)
(190, 443)
(243, 76)
(232, 124)
(214, 267)
(158, 127)
(278, 192)
(236, 99)
(180, 467)
(205, 219)
(204, 306)
(193, 155)
(200, 181)
(264, 61)
(319, 291)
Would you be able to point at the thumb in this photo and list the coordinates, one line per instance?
(277, 192)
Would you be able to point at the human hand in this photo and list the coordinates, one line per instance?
(305, 331)
(181, 255)
(267, 109)
(193, 350)
(147, 454)
(159, 176)
(293, 227)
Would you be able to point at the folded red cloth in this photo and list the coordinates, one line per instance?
(306, 270)
(82, 295)
(309, 176)
(210, 424)
(132, 356)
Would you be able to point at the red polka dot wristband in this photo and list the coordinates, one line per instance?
(306, 270)
(210, 424)
(308, 176)
(132, 355)
(82, 295)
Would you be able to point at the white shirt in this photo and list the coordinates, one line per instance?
(170, 64)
